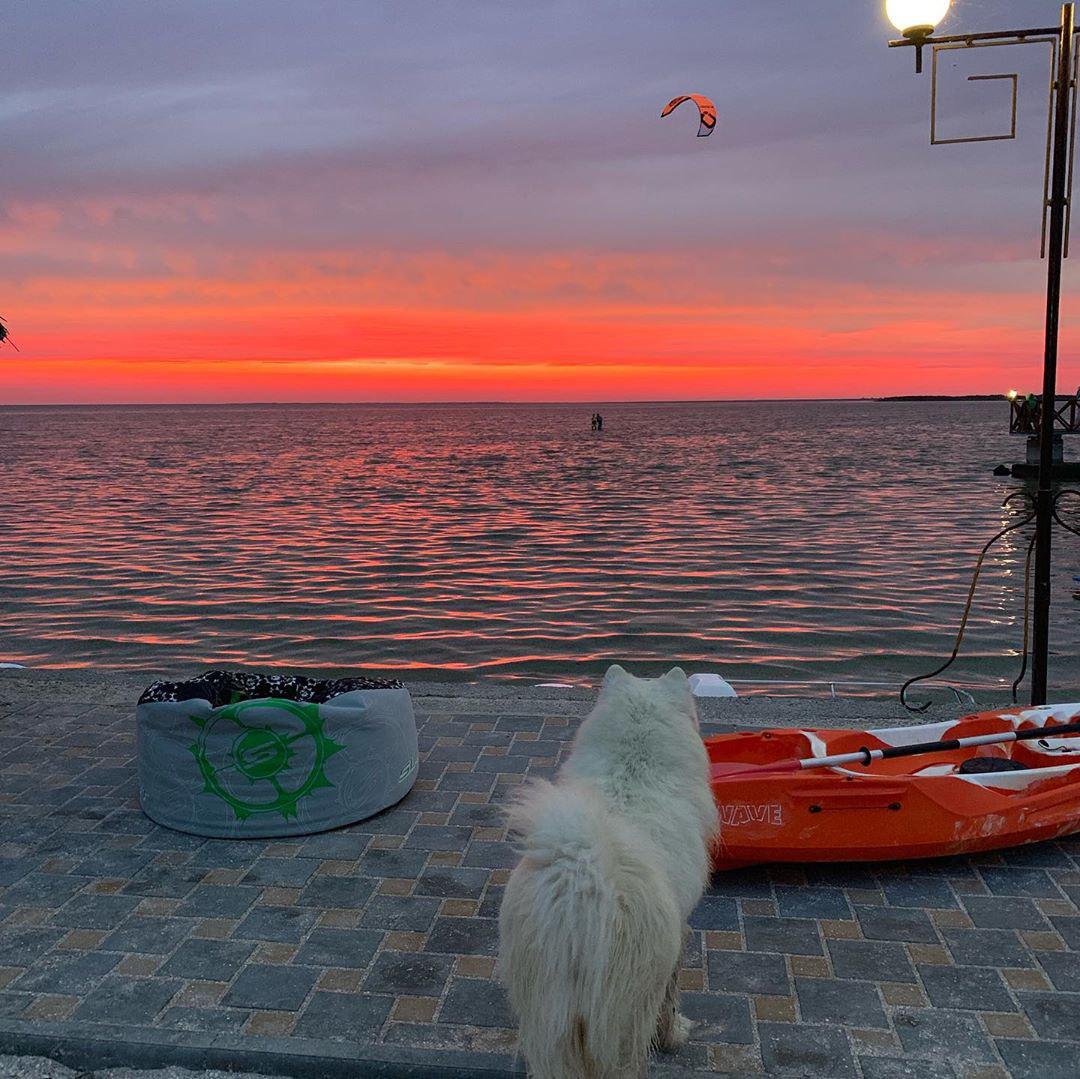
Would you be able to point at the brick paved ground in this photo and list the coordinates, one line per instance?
(377, 941)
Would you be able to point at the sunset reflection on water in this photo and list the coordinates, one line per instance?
(764, 540)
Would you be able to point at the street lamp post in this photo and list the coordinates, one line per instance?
(917, 20)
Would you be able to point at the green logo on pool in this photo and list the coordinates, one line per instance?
(256, 766)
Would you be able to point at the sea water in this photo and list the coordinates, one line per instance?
(797, 541)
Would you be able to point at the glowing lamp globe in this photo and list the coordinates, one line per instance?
(1012, 395)
(916, 18)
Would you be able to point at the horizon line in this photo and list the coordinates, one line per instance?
(490, 401)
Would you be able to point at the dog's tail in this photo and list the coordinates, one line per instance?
(590, 935)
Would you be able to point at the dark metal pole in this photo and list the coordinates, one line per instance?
(1044, 499)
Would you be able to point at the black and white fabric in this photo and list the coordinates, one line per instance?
(226, 687)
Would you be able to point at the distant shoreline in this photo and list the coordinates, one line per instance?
(944, 397)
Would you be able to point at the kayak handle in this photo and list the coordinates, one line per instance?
(883, 796)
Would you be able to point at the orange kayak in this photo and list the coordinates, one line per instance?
(909, 807)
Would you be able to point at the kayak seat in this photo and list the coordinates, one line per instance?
(979, 766)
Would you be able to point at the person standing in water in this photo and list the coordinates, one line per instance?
(599, 422)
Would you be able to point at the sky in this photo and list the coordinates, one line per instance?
(393, 200)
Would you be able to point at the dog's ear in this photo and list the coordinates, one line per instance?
(676, 676)
(615, 675)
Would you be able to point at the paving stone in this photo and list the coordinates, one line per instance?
(272, 987)
(449, 882)
(1069, 929)
(1033, 882)
(344, 845)
(481, 815)
(464, 936)
(516, 724)
(476, 1002)
(934, 1033)
(987, 948)
(12, 870)
(1047, 855)
(21, 945)
(1038, 1060)
(14, 1003)
(919, 892)
(491, 855)
(392, 863)
(227, 853)
(429, 837)
(791, 936)
(826, 1000)
(716, 913)
(812, 903)
(43, 890)
(896, 923)
(1053, 1015)
(454, 753)
(138, 1000)
(899, 1068)
(509, 765)
(841, 875)
(966, 988)
(69, 973)
(805, 1050)
(489, 906)
(343, 1017)
(403, 913)
(165, 839)
(147, 936)
(410, 973)
(205, 1020)
(209, 960)
(718, 1019)
(394, 821)
(113, 862)
(336, 893)
(281, 872)
(466, 781)
(352, 948)
(94, 911)
(218, 901)
(283, 924)
(1063, 969)
(871, 960)
(1004, 912)
(170, 882)
(742, 884)
(747, 972)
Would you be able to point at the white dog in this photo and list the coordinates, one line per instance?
(615, 857)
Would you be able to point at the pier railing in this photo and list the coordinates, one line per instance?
(1025, 418)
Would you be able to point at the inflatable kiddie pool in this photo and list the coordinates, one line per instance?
(237, 756)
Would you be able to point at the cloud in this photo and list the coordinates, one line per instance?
(484, 180)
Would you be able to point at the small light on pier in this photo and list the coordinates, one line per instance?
(1012, 395)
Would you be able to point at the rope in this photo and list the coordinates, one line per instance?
(967, 606)
(1057, 517)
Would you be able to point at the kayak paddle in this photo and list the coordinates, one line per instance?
(865, 756)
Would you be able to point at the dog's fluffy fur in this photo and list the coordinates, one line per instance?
(615, 857)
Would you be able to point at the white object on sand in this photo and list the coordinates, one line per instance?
(710, 685)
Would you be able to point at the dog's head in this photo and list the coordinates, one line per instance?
(672, 689)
